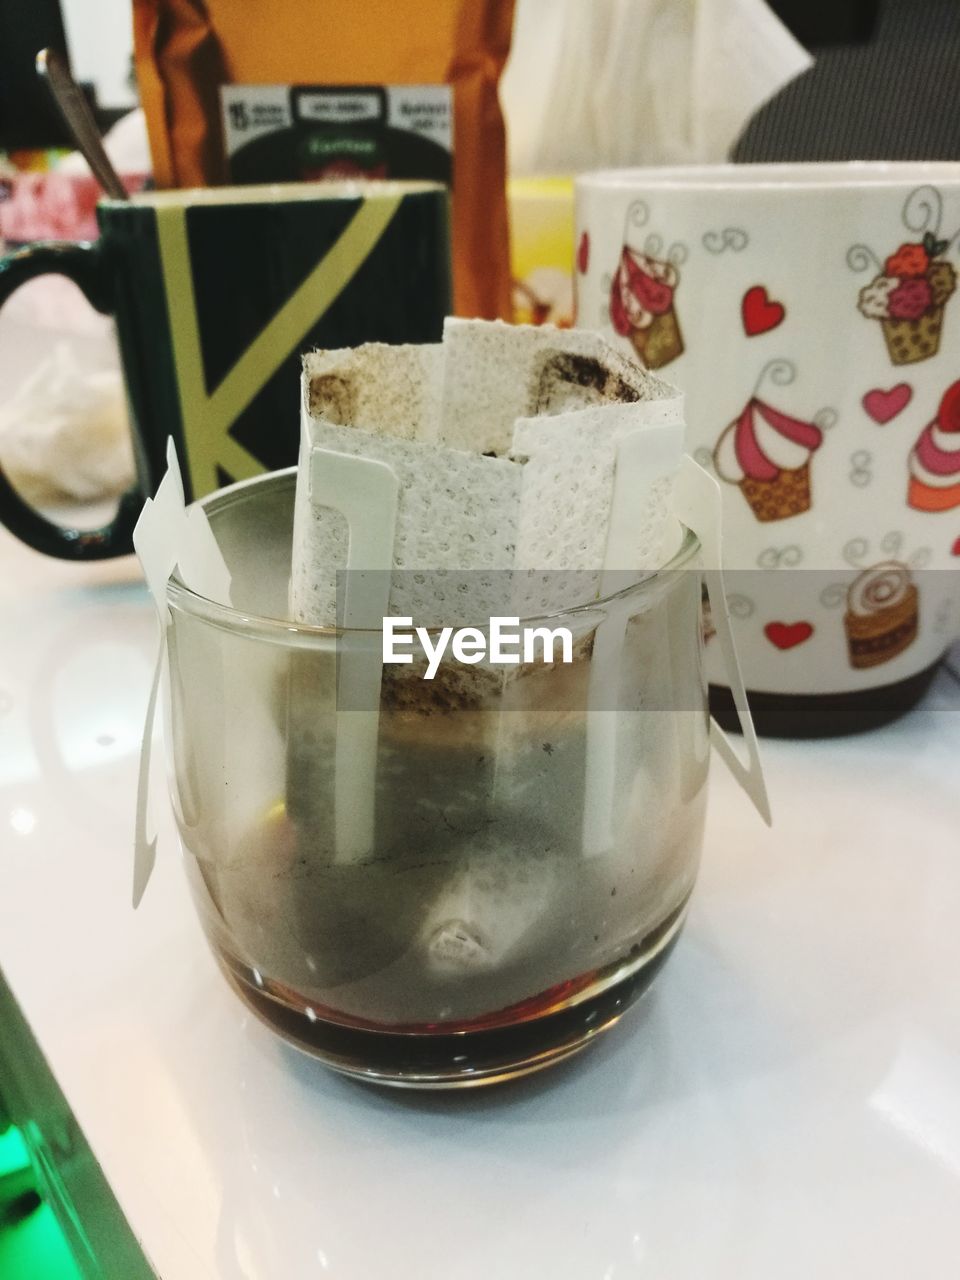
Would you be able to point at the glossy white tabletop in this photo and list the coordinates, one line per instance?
(784, 1104)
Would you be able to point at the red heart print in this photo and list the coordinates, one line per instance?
(760, 314)
(583, 254)
(882, 405)
(787, 635)
(955, 549)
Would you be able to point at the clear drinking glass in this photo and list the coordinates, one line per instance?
(484, 935)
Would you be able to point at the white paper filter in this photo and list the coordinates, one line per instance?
(510, 448)
(503, 440)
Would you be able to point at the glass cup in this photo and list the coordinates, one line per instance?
(484, 934)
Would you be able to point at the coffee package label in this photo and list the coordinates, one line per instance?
(303, 133)
(354, 87)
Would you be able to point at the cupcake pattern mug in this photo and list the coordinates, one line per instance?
(781, 299)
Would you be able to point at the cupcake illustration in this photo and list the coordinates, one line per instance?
(935, 459)
(767, 453)
(642, 292)
(910, 289)
(882, 614)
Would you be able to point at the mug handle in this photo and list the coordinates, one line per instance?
(85, 265)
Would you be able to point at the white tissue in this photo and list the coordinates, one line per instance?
(64, 432)
(637, 82)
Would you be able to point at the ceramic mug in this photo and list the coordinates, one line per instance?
(808, 313)
(215, 293)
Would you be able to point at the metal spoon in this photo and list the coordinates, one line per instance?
(78, 117)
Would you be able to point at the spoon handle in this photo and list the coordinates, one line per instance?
(76, 112)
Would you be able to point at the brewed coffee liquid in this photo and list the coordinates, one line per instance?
(540, 1031)
(473, 900)
(486, 945)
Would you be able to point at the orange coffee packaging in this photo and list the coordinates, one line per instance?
(186, 50)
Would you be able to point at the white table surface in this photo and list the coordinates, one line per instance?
(784, 1104)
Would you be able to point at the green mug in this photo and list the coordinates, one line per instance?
(215, 293)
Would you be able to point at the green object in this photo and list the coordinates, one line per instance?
(36, 1249)
(14, 1158)
(79, 1233)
